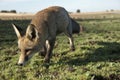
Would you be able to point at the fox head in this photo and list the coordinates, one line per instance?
(28, 44)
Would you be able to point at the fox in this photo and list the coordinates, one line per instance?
(41, 33)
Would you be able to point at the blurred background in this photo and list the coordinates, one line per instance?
(32, 6)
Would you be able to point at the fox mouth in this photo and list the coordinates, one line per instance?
(22, 63)
(26, 59)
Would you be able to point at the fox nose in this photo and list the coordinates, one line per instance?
(20, 64)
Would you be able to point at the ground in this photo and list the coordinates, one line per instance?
(97, 54)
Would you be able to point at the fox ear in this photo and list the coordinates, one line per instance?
(31, 32)
(16, 31)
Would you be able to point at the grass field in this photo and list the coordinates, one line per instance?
(97, 54)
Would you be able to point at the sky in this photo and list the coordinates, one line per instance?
(33, 6)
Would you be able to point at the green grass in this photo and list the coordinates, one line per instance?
(97, 54)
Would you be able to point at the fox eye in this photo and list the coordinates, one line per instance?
(18, 49)
(27, 50)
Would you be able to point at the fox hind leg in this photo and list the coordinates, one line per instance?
(72, 47)
(68, 33)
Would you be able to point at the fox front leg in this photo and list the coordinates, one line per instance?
(50, 46)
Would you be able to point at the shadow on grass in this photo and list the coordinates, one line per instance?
(109, 52)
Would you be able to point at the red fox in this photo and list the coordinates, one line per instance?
(42, 31)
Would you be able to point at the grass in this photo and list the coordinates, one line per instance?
(97, 54)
